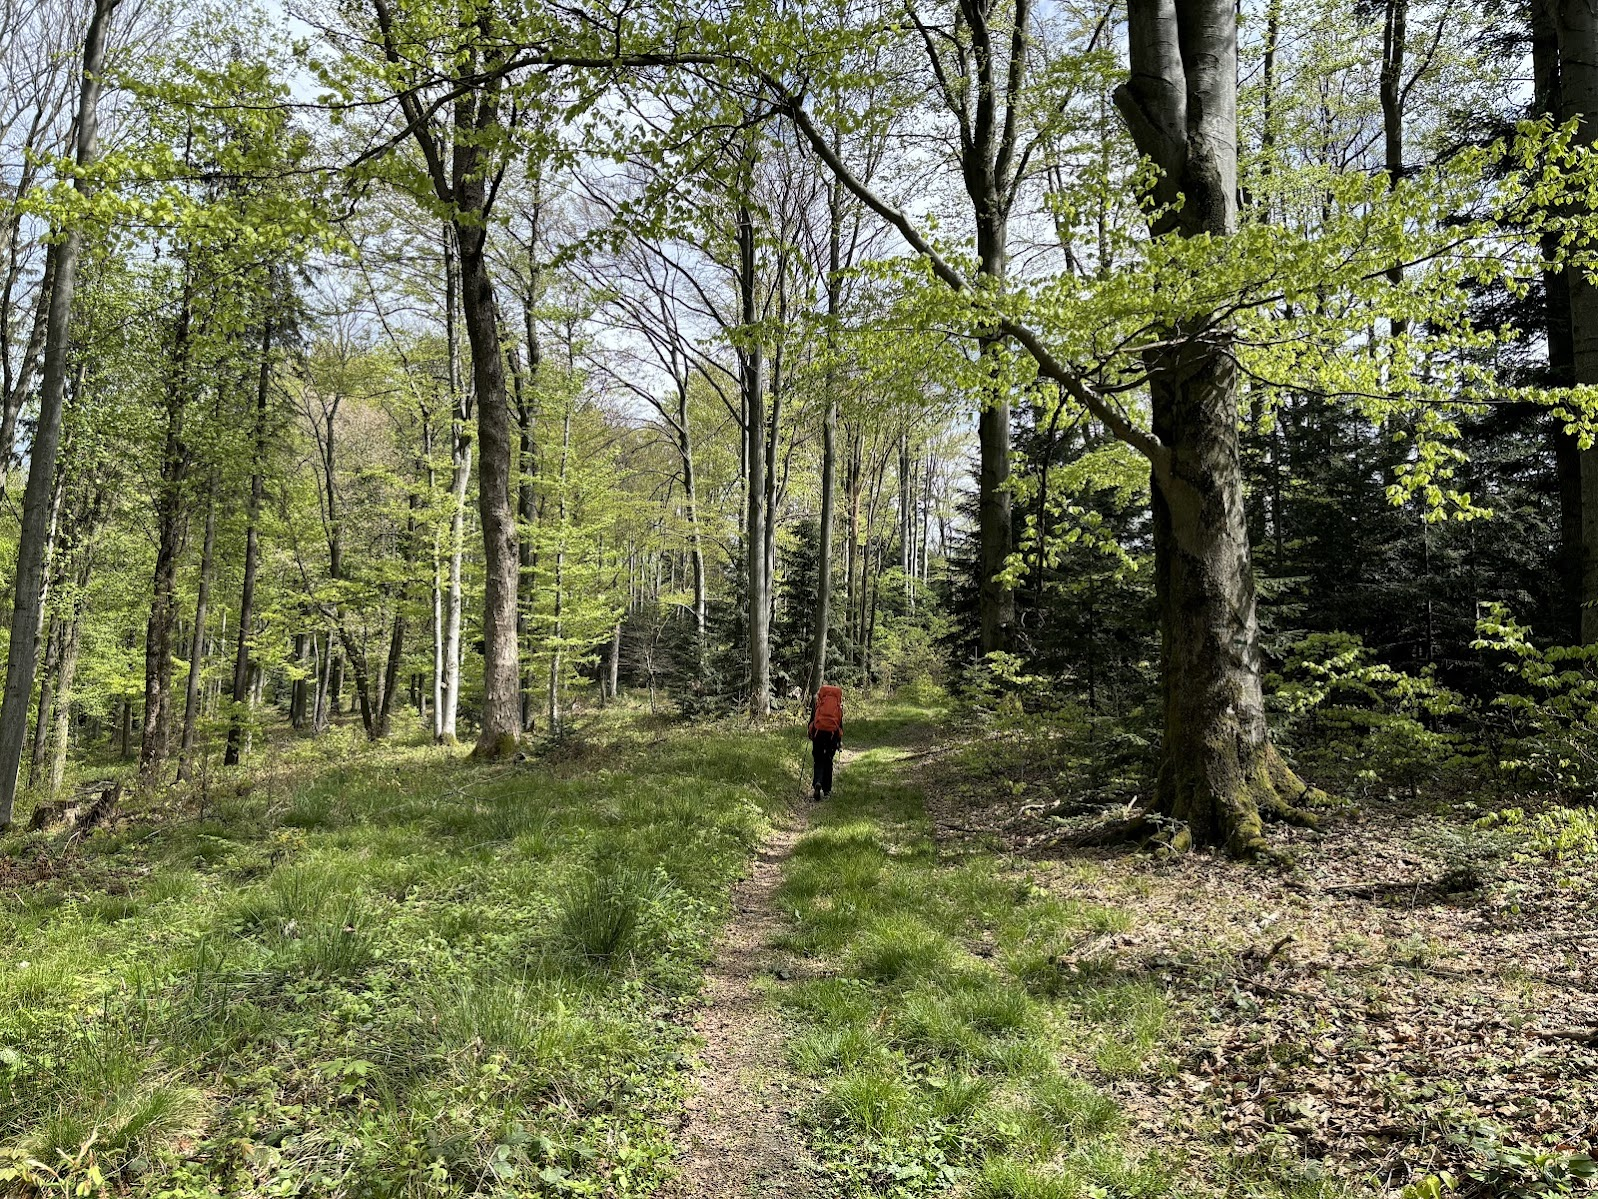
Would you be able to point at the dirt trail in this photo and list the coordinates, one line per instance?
(739, 1138)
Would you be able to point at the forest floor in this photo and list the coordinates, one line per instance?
(379, 971)
(641, 964)
(1413, 1002)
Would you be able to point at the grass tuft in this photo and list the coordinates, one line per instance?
(901, 947)
(1009, 1178)
(603, 916)
(867, 1104)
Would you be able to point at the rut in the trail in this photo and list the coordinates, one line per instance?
(740, 1139)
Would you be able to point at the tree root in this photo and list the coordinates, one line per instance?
(1130, 830)
(1282, 781)
(1236, 815)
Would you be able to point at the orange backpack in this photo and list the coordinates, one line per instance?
(829, 711)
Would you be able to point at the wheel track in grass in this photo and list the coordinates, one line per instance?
(740, 1137)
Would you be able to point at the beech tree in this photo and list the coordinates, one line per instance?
(1196, 305)
(34, 541)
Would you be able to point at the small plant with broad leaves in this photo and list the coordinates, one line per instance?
(1348, 714)
(1504, 1170)
(1559, 834)
(1545, 721)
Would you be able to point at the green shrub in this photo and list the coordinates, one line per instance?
(1544, 722)
(1365, 723)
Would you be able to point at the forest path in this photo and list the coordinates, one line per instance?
(740, 1138)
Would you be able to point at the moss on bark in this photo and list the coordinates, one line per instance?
(1224, 793)
(492, 749)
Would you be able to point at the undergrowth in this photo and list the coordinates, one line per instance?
(397, 975)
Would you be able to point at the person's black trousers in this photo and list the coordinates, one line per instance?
(823, 749)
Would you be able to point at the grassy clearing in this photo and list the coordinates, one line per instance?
(398, 974)
(953, 1051)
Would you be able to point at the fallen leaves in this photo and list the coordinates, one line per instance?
(1360, 1015)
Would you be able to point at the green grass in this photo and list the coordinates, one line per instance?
(381, 973)
(951, 1053)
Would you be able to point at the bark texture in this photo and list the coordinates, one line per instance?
(752, 362)
(1547, 101)
(502, 714)
(1575, 27)
(197, 648)
(829, 460)
(171, 520)
(34, 534)
(252, 559)
(1219, 773)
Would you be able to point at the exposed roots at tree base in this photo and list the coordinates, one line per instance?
(1140, 829)
(1225, 806)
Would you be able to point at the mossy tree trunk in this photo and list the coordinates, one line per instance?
(1218, 773)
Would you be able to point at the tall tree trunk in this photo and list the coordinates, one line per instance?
(300, 691)
(907, 524)
(252, 559)
(447, 629)
(696, 543)
(985, 88)
(322, 658)
(558, 628)
(66, 674)
(1576, 28)
(829, 448)
(853, 482)
(871, 619)
(1561, 351)
(753, 362)
(171, 514)
(995, 537)
(501, 724)
(450, 705)
(829, 489)
(527, 408)
(1395, 33)
(438, 651)
(464, 179)
(769, 525)
(44, 710)
(1218, 769)
(360, 667)
(33, 537)
(614, 669)
(55, 710)
(989, 182)
(197, 644)
(389, 685)
(17, 393)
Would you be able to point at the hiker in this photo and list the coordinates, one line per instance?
(826, 737)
